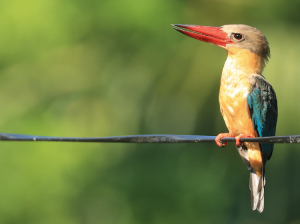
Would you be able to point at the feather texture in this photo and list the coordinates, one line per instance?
(256, 183)
(263, 111)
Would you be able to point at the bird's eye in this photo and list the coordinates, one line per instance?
(237, 36)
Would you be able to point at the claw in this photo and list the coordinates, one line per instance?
(219, 138)
(238, 138)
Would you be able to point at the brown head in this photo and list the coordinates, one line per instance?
(230, 37)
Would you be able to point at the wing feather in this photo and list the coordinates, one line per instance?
(263, 111)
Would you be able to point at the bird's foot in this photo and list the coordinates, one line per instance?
(238, 138)
(219, 138)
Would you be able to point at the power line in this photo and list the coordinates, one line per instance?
(149, 139)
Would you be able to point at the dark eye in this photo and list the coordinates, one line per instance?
(237, 36)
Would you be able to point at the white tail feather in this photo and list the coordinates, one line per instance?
(256, 183)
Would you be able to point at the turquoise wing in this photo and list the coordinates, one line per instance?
(263, 111)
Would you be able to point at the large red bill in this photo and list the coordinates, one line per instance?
(210, 34)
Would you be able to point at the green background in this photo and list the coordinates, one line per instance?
(108, 68)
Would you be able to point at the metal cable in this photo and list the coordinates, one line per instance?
(149, 139)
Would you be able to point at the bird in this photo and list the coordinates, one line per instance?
(247, 100)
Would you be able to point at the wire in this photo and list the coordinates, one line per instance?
(149, 139)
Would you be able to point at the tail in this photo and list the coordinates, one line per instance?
(256, 183)
(257, 187)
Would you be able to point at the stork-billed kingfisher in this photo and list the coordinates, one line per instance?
(247, 100)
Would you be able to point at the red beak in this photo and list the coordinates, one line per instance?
(210, 34)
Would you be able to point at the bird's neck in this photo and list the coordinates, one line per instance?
(241, 62)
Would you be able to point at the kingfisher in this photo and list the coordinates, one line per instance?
(247, 100)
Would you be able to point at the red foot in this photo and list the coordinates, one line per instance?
(219, 138)
(238, 138)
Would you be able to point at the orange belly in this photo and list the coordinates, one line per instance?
(255, 157)
(234, 106)
(235, 111)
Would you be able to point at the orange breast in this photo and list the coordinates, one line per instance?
(234, 90)
(235, 87)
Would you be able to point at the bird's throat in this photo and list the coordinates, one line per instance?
(244, 60)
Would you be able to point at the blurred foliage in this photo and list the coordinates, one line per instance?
(103, 68)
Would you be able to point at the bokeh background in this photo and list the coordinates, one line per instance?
(91, 68)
